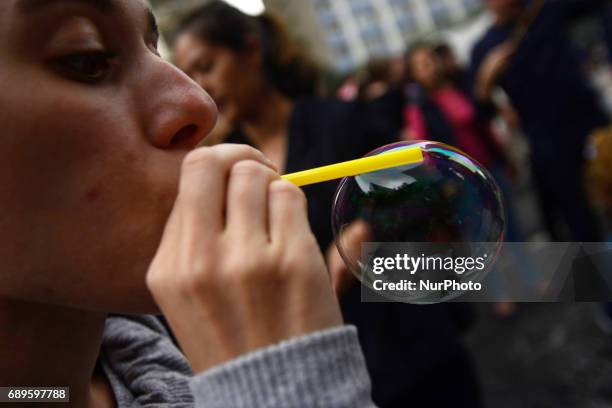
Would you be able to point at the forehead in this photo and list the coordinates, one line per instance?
(11, 10)
(33, 17)
(28, 6)
(422, 52)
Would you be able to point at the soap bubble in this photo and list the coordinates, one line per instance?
(447, 206)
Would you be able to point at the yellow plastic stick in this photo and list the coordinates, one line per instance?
(355, 167)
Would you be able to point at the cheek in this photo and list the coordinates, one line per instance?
(418, 73)
(247, 90)
(87, 196)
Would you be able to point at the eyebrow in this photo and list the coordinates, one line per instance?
(106, 6)
(31, 6)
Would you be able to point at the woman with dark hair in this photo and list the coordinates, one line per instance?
(105, 209)
(436, 108)
(250, 68)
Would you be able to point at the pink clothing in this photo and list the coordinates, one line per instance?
(460, 115)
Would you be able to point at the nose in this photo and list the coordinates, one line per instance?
(179, 114)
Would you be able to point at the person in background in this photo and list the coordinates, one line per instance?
(606, 25)
(349, 90)
(380, 84)
(377, 80)
(383, 89)
(528, 54)
(599, 174)
(451, 68)
(599, 179)
(414, 354)
(438, 110)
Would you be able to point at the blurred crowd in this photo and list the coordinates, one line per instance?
(526, 79)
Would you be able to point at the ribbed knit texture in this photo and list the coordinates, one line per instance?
(325, 369)
(145, 369)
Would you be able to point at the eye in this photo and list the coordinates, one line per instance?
(205, 67)
(155, 49)
(153, 44)
(88, 67)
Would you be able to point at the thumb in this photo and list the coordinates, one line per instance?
(353, 236)
(350, 240)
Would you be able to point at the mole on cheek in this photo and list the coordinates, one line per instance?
(92, 195)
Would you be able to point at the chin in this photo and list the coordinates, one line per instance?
(114, 284)
(119, 301)
(126, 292)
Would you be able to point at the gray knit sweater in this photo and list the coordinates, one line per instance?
(145, 369)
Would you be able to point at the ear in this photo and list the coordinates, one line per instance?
(253, 53)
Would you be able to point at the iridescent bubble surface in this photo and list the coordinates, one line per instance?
(448, 198)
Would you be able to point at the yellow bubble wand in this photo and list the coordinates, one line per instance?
(354, 167)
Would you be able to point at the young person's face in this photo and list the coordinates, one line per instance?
(233, 79)
(93, 128)
(425, 67)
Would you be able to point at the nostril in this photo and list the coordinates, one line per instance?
(185, 137)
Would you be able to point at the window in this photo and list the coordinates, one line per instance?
(439, 11)
(323, 6)
(406, 23)
(402, 8)
(472, 5)
(366, 18)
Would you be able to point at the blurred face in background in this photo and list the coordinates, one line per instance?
(424, 67)
(94, 126)
(448, 61)
(397, 70)
(233, 79)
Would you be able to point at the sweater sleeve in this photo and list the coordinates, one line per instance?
(324, 369)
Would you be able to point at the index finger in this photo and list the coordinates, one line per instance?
(203, 184)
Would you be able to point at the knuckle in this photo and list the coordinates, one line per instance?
(249, 150)
(304, 254)
(154, 281)
(287, 189)
(202, 157)
(254, 271)
(249, 168)
(241, 151)
(192, 284)
(275, 273)
(292, 263)
(244, 267)
(196, 278)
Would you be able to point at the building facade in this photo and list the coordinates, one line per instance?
(344, 34)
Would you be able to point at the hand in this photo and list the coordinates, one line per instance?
(238, 267)
(352, 237)
(492, 68)
(510, 116)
